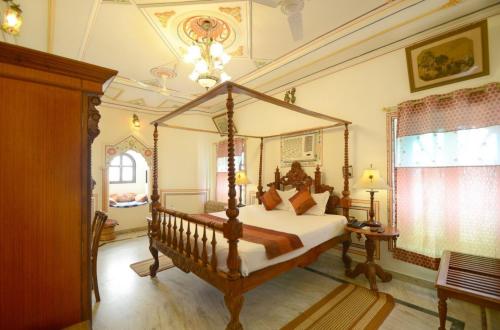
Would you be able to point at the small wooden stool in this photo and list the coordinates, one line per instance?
(470, 278)
(108, 231)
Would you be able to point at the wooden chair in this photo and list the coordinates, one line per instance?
(97, 226)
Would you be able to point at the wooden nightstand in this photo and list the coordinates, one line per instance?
(369, 267)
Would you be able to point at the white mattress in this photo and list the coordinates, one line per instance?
(312, 230)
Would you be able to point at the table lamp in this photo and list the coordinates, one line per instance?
(372, 181)
(241, 180)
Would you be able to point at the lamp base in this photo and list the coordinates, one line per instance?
(240, 205)
(373, 224)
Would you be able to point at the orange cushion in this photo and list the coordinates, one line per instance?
(302, 201)
(125, 197)
(141, 198)
(270, 199)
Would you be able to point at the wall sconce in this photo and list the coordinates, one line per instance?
(12, 18)
(135, 121)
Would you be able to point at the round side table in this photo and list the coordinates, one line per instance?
(369, 267)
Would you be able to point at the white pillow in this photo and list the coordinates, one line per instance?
(321, 201)
(285, 203)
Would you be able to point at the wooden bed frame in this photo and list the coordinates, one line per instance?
(187, 240)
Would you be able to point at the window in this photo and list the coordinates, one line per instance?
(221, 188)
(444, 160)
(122, 169)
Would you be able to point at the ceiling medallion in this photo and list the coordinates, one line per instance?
(206, 27)
(162, 74)
(207, 52)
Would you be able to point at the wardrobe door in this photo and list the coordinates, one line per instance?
(42, 202)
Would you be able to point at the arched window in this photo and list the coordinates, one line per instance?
(122, 169)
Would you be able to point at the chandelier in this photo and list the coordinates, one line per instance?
(207, 53)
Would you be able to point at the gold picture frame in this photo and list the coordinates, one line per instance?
(448, 58)
(220, 122)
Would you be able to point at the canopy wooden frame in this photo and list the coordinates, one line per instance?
(167, 235)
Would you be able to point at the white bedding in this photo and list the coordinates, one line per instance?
(312, 230)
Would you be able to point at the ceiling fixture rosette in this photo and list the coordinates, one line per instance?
(206, 27)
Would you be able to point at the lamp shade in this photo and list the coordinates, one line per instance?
(241, 178)
(371, 179)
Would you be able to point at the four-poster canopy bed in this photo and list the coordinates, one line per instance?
(197, 243)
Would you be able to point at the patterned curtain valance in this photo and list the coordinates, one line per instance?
(129, 143)
(458, 110)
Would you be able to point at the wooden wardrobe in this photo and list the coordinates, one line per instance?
(48, 121)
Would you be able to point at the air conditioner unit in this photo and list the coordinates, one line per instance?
(299, 148)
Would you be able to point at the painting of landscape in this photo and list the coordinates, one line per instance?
(456, 56)
(447, 59)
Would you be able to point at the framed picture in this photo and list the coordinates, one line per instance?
(455, 56)
(220, 122)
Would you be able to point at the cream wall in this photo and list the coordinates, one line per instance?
(183, 158)
(359, 94)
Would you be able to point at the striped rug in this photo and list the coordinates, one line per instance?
(142, 267)
(347, 307)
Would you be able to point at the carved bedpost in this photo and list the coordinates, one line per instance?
(277, 178)
(317, 180)
(232, 228)
(154, 231)
(155, 197)
(345, 201)
(259, 187)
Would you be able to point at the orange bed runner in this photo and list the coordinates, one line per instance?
(276, 242)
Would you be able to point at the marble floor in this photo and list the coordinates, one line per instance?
(175, 300)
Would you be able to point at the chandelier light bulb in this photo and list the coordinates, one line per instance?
(194, 76)
(225, 58)
(193, 54)
(201, 67)
(224, 77)
(11, 20)
(218, 65)
(216, 49)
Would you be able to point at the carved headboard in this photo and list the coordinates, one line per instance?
(298, 179)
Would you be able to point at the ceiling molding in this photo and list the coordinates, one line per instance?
(120, 80)
(88, 30)
(178, 3)
(119, 105)
(156, 29)
(320, 41)
(310, 73)
(401, 44)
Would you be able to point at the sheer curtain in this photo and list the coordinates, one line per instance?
(447, 158)
(222, 188)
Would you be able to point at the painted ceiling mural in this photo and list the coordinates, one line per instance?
(273, 44)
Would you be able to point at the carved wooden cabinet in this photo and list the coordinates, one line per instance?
(48, 121)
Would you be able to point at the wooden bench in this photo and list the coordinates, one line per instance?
(470, 278)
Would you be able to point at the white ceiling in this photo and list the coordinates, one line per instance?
(134, 36)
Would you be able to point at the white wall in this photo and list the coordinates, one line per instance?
(359, 94)
(184, 157)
